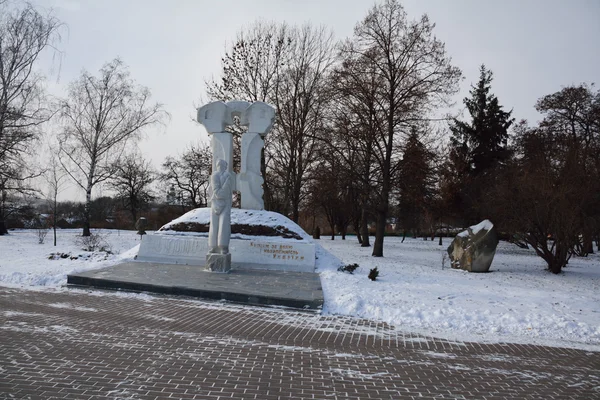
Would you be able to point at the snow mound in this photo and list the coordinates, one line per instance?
(244, 223)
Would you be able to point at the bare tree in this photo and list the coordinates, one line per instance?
(572, 116)
(131, 181)
(250, 72)
(287, 67)
(300, 98)
(190, 174)
(101, 115)
(550, 196)
(417, 76)
(251, 67)
(24, 35)
(330, 191)
(56, 177)
(353, 110)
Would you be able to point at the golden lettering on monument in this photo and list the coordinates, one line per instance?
(278, 251)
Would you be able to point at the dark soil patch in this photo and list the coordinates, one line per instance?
(244, 229)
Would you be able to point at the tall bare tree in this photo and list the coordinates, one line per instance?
(24, 35)
(190, 174)
(572, 117)
(250, 68)
(250, 72)
(417, 76)
(131, 181)
(56, 178)
(287, 67)
(101, 115)
(353, 110)
(301, 98)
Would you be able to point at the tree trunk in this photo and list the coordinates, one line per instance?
(356, 225)
(332, 227)
(588, 243)
(86, 212)
(3, 230)
(379, 233)
(440, 242)
(364, 227)
(295, 197)
(134, 215)
(403, 235)
(558, 260)
(358, 236)
(554, 266)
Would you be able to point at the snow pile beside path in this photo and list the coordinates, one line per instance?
(518, 301)
(25, 263)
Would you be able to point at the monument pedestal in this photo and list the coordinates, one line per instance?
(218, 262)
(258, 253)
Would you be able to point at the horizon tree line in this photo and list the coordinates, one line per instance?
(356, 138)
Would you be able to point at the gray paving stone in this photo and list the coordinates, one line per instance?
(156, 347)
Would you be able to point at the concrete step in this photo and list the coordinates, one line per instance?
(259, 287)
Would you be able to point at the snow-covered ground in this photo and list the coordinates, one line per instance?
(26, 263)
(517, 302)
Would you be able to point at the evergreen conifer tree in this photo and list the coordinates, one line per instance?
(485, 137)
(480, 146)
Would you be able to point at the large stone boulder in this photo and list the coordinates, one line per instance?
(473, 250)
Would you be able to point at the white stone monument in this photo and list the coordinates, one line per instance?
(218, 258)
(259, 118)
(281, 244)
(215, 117)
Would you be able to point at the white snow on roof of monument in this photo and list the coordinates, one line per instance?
(238, 216)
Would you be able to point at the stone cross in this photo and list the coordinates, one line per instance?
(259, 118)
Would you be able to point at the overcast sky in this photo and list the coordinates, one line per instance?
(533, 47)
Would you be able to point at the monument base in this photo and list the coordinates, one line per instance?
(259, 253)
(275, 288)
(218, 262)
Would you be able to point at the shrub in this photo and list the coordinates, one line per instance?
(350, 268)
(94, 242)
(42, 231)
(373, 274)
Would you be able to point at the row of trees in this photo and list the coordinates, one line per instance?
(359, 136)
(24, 35)
(349, 107)
(96, 122)
(93, 130)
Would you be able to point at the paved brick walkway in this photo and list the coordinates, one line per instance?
(80, 345)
